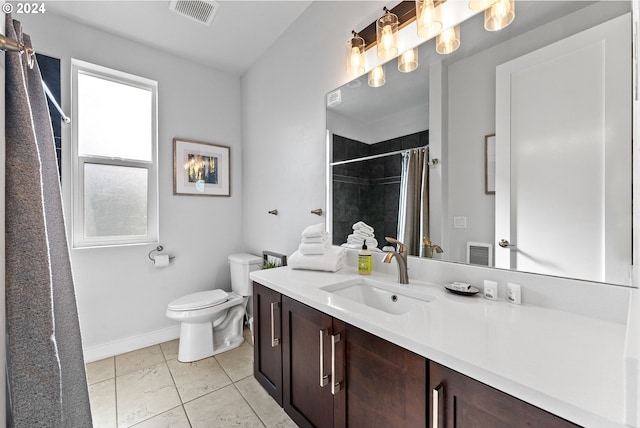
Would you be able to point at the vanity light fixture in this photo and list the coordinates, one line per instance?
(408, 60)
(355, 55)
(499, 15)
(428, 19)
(376, 77)
(387, 35)
(448, 41)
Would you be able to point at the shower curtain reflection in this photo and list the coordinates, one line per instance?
(413, 209)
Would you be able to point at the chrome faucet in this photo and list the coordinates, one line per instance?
(401, 258)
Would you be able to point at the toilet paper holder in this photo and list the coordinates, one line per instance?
(159, 248)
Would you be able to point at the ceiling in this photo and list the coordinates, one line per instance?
(238, 36)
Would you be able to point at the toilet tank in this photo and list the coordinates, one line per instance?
(240, 266)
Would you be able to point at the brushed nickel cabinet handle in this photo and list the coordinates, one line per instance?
(335, 384)
(435, 403)
(275, 341)
(324, 378)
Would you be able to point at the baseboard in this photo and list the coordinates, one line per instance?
(128, 344)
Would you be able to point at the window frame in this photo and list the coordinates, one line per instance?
(78, 162)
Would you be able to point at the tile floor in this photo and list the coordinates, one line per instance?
(149, 388)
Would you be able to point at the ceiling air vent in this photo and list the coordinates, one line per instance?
(334, 98)
(202, 11)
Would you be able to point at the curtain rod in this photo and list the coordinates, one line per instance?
(8, 45)
(65, 118)
(381, 155)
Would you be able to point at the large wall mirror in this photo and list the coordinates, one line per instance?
(514, 151)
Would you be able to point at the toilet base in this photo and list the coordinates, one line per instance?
(201, 340)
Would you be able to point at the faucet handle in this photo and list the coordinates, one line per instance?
(402, 249)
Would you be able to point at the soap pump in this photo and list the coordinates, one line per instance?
(364, 260)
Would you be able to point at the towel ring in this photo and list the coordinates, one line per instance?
(159, 248)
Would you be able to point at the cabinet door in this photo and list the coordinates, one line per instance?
(307, 393)
(461, 402)
(385, 385)
(267, 347)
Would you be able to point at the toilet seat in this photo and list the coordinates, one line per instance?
(200, 300)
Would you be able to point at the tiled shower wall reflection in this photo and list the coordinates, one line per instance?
(369, 190)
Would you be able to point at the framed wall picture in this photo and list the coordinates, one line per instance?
(490, 164)
(200, 169)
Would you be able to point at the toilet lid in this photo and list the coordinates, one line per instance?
(202, 299)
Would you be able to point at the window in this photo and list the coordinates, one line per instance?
(115, 178)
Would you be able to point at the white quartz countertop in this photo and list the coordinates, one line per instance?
(567, 364)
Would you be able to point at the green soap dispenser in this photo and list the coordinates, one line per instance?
(364, 260)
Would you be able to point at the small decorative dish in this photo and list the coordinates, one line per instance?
(470, 292)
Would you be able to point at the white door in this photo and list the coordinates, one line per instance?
(563, 138)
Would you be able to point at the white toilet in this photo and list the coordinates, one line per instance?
(212, 321)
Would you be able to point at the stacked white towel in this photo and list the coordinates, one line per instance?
(362, 232)
(315, 240)
(315, 251)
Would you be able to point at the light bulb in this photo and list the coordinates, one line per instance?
(376, 77)
(499, 15)
(448, 41)
(355, 55)
(408, 61)
(387, 35)
(428, 19)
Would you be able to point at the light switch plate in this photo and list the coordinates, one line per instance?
(460, 222)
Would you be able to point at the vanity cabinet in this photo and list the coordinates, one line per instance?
(307, 393)
(457, 401)
(267, 346)
(336, 375)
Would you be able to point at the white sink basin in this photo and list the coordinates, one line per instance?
(392, 299)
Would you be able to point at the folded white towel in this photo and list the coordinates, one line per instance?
(363, 233)
(361, 225)
(355, 239)
(316, 239)
(314, 248)
(314, 230)
(331, 261)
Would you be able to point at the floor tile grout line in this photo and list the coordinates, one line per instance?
(250, 406)
(182, 404)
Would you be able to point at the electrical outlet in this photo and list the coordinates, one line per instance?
(490, 290)
(514, 293)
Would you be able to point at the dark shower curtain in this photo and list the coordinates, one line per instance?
(45, 366)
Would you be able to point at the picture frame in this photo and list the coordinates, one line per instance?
(490, 164)
(201, 169)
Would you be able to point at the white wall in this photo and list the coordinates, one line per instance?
(121, 298)
(283, 101)
(398, 124)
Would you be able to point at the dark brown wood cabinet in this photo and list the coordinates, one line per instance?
(336, 375)
(267, 337)
(327, 373)
(458, 401)
(305, 330)
(385, 385)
